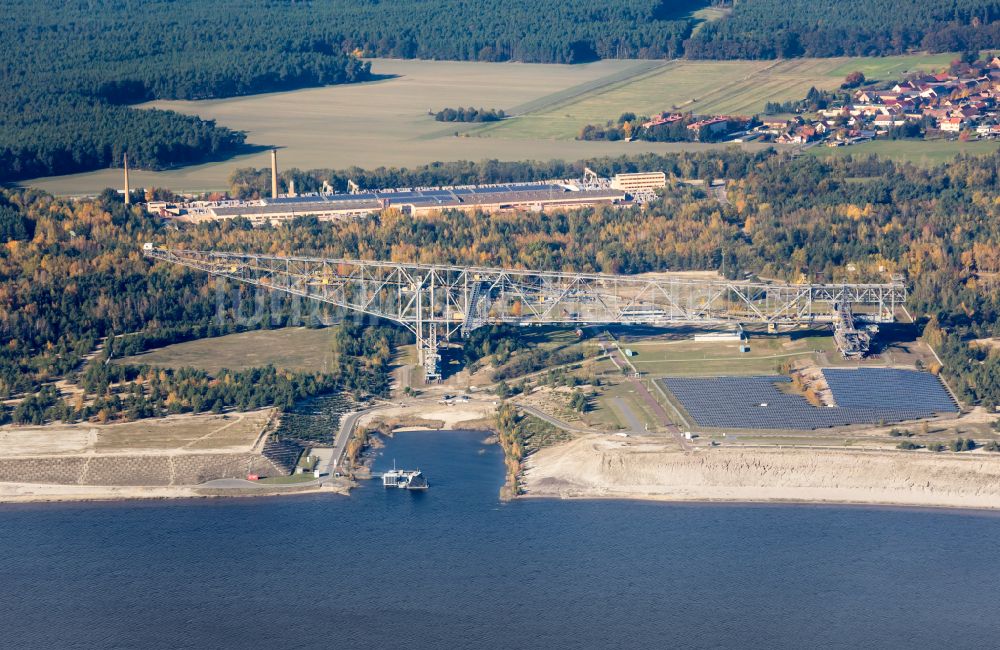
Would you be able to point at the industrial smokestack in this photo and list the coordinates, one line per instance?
(274, 173)
(128, 198)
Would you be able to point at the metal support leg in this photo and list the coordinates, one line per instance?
(429, 354)
(427, 342)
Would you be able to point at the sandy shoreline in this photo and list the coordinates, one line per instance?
(50, 493)
(56, 492)
(594, 467)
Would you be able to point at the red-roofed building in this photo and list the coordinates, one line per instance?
(951, 124)
(663, 118)
(712, 124)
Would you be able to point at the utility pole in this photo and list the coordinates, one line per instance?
(128, 197)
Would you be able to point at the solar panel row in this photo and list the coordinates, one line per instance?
(863, 396)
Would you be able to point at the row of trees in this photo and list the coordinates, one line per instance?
(957, 445)
(815, 100)
(630, 127)
(470, 115)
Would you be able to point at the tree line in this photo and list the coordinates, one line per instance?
(815, 100)
(630, 127)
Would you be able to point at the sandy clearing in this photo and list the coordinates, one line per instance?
(595, 466)
(233, 432)
(452, 416)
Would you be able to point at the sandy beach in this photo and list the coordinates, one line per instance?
(596, 466)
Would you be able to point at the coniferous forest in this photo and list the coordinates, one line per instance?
(72, 69)
(768, 29)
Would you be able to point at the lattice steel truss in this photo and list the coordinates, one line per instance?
(440, 301)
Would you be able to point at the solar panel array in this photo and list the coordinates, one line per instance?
(890, 387)
(863, 396)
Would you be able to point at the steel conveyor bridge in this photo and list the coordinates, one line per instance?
(438, 301)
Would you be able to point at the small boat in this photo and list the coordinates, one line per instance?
(405, 479)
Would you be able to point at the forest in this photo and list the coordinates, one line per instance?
(72, 69)
(71, 273)
(768, 29)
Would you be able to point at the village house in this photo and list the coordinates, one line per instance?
(888, 121)
(951, 124)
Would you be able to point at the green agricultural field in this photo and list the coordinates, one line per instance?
(920, 152)
(893, 67)
(729, 87)
(678, 84)
(688, 357)
(291, 348)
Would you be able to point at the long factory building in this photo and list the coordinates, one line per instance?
(417, 202)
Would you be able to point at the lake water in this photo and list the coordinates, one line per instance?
(455, 568)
